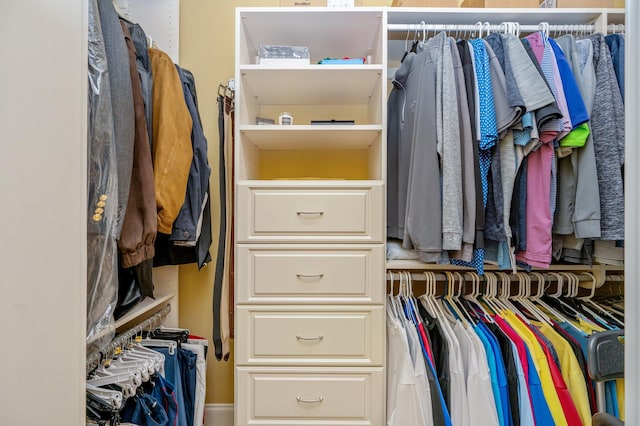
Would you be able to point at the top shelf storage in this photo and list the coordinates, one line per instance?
(355, 34)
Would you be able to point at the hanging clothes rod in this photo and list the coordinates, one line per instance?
(485, 27)
(157, 319)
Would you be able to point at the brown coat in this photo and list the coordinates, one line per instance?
(139, 227)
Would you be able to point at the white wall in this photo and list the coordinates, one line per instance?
(42, 211)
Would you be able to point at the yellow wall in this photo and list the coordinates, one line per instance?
(207, 32)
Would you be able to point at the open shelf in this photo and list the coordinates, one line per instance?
(417, 265)
(311, 84)
(144, 308)
(306, 137)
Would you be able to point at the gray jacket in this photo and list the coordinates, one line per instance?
(607, 127)
(121, 100)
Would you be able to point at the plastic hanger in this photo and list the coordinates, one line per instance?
(111, 397)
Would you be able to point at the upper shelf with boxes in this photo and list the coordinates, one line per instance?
(311, 96)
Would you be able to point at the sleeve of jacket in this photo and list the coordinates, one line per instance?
(451, 161)
(172, 150)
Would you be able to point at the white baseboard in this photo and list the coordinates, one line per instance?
(218, 415)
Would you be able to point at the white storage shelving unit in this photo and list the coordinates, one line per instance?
(310, 221)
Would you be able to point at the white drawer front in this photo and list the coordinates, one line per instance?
(309, 214)
(310, 274)
(307, 397)
(318, 335)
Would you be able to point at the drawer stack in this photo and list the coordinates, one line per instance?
(309, 212)
(310, 309)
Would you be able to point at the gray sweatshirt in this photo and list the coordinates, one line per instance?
(607, 128)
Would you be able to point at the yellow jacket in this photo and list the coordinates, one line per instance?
(172, 150)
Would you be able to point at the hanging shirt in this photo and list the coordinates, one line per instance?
(479, 392)
(507, 350)
(458, 377)
(493, 373)
(568, 406)
(403, 407)
(539, 405)
(487, 135)
(501, 372)
(420, 371)
(524, 399)
(541, 364)
(571, 371)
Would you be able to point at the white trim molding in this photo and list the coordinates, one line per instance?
(218, 415)
(632, 223)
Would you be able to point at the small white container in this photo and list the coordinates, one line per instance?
(285, 119)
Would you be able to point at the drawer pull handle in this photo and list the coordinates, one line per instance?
(309, 213)
(309, 401)
(310, 275)
(309, 338)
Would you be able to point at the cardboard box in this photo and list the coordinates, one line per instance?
(501, 3)
(310, 3)
(586, 3)
(427, 3)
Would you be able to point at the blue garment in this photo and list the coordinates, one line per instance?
(577, 110)
(524, 400)
(578, 335)
(187, 361)
(611, 396)
(172, 374)
(616, 49)
(162, 390)
(541, 411)
(187, 225)
(500, 371)
(522, 137)
(144, 410)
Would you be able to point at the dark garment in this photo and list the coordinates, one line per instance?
(584, 256)
(494, 216)
(143, 63)
(187, 361)
(438, 411)
(162, 390)
(144, 410)
(512, 373)
(168, 253)
(517, 216)
(440, 350)
(140, 224)
(469, 76)
(121, 101)
(185, 227)
(616, 48)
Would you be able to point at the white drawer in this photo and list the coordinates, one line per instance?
(310, 274)
(310, 397)
(310, 335)
(308, 214)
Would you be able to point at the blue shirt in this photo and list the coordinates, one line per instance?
(577, 110)
(541, 411)
(501, 372)
(524, 400)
